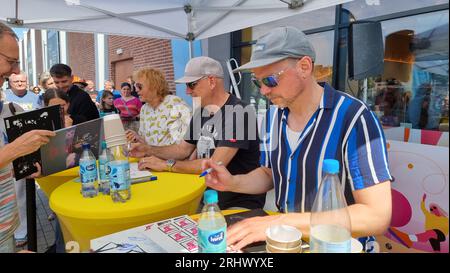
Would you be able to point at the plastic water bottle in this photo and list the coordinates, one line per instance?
(88, 172)
(212, 227)
(103, 169)
(119, 174)
(330, 220)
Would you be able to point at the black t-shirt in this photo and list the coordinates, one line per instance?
(233, 126)
(81, 107)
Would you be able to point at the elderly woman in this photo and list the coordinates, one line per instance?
(164, 118)
(46, 82)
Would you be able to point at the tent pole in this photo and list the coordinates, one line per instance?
(191, 49)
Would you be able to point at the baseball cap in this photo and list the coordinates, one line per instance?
(200, 67)
(278, 44)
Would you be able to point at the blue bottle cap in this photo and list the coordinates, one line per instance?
(210, 196)
(330, 166)
(86, 146)
(103, 145)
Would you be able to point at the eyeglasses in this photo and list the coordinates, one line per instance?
(191, 85)
(12, 62)
(138, 86)
(269, 81)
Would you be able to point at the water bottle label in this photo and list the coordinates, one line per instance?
(103, 169)
(212, 241)
(119, 175)
(88, 171)
(319, 246)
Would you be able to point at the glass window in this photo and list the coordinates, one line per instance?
(363, 9)
(413, 90)
(52, 48)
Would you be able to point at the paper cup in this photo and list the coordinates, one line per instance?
(273, 249)
(113, 126)
(283, 236)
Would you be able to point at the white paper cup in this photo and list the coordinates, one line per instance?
(356, 246)
(273, 249)
(284, 237)
(112, 126)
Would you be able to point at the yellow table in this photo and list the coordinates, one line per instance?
(49, 183)
(83, 219)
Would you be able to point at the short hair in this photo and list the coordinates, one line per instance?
(155, 79)
(60, 70)
(6, 30)
(54, 93)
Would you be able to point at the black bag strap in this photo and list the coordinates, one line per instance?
(12, 108)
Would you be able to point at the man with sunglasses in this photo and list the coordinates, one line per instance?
(313, 122)
(214, 132)
(23, 145)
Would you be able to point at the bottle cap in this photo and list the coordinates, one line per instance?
(210, 196)
(330, 166)
(103, 145)
(86, 146)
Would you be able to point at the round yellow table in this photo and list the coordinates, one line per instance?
(83, 219)
(49, 183)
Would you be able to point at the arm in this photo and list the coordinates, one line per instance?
(23, 145)
(175, 151)
(368, 216)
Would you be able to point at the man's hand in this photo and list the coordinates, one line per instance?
(220, 178)
(250, 230)
(31, 142)
(134, 137)
(154, 163)
(139, 150)
(37, 173)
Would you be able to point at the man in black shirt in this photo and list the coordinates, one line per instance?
(223, 129)
(81, 107)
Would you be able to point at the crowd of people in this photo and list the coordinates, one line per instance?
(312, 122)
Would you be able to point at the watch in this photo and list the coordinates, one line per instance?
(170, 163)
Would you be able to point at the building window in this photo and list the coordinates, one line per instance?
(413, 90)
(52, 48)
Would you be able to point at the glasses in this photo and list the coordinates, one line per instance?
(191, 85)
(12, 62)
(269, 81)
(138, 86)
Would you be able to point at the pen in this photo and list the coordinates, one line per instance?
(143, 179)
(207, 171)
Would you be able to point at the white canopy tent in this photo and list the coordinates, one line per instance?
(169, 19)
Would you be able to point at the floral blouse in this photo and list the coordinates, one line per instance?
(167, 124)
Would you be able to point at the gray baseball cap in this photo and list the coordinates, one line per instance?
(278, 44)
(200, 67)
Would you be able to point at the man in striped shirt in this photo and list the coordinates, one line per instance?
(25, 144)
(313, 122)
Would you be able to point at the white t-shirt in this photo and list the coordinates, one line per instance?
(293, 137)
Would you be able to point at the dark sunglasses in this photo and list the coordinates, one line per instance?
(138, 85)
(269, 81)
(192, 85)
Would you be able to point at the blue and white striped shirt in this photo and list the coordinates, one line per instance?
(342, 128)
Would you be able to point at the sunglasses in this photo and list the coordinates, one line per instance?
(192, 85)
(269, 81)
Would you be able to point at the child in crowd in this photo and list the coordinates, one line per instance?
(107, 104)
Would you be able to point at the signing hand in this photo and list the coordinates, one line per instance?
(250, 230)
(134, 137)
(31, 142)
(139, 150)
(220, 178)
(154, 163)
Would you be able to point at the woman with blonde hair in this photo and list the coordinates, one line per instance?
(164, 118)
